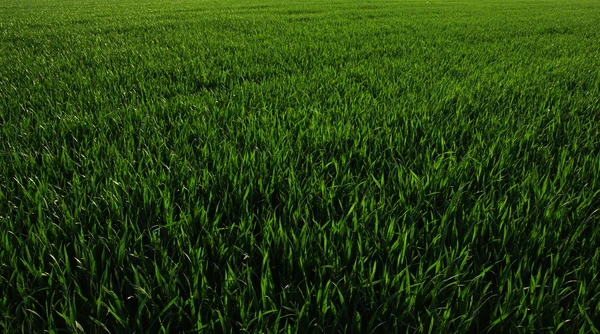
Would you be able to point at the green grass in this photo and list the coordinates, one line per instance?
(309, 166)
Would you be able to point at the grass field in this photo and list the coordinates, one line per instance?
(300, 166)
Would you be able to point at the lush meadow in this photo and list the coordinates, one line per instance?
(300, 166)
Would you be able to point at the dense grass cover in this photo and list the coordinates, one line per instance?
(305, 166)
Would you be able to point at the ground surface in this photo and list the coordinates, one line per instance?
(336, 166)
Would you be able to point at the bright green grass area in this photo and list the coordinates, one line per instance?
(306, 166)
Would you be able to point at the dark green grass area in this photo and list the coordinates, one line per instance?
(307, 166)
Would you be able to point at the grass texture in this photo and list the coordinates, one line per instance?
(300, 166)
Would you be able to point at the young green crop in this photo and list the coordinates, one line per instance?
(315, 166)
